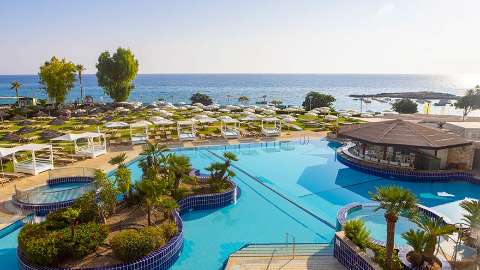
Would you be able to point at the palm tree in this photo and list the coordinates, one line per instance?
(394, 200)
(472, 217)
(180, 167)
(220, 172)
(434, 229)
(417, 239)
(152, 162)
(80, 68)
(15, 85)
(123, 175)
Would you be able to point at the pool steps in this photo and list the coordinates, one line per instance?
(280, 256)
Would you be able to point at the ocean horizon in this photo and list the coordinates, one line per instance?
(290, 88)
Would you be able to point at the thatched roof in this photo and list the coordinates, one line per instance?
(404, 133)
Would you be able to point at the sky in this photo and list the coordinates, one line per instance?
(246, 36)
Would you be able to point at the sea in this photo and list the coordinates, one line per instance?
(289, 88)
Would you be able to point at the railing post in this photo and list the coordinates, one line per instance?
(293, 247)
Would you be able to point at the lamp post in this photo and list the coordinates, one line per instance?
(310, 98)
(171, 98)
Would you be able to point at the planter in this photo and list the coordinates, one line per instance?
(350, 255)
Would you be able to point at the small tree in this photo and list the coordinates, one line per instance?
(71, 215)
(15, 85)
(179, 167)
(405, 106)
(417, 239)
(277, 102)
(316, 100)
(123, 176)
(116, 73)
(434, 228)
(107, 194)
(57, 77)
(168, 205)
(151, 190)
(243, 99)
(469, 102)
(394, 200)
(220, 172)
(201, 98)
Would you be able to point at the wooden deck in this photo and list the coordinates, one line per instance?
(285, 257)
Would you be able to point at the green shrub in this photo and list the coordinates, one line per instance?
(355, 230)
(87, 204)
(156, 234)
(86, 239)
(379, 257)
(29, 231)
(129, 245)
(56, 220)
(169, 229)
(40, 250)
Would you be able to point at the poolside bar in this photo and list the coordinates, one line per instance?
(405, 144)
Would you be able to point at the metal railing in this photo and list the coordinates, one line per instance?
(42, 195)
(71, 172)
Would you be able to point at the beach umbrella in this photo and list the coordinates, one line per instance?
(116, 125)
(311, 113)
(224, 110)
(331, 117)
(345, 115)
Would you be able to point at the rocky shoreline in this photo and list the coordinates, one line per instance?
(411, 95)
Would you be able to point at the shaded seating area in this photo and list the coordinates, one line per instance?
(269, 131)
(186, 130)
(90, 144)
(229, 127)
(139, 132)
(33, 163)
(408, 145)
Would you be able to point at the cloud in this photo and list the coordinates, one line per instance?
(386, 9)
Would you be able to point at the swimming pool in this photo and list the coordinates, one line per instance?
(52, 193)
(375, 223)
(287, 187)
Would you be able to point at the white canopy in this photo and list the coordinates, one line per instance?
(270, 119)
(116, 125)
(31, 147)
(74, 137)
(185, 122)
(141, 123)
(6, 151)
(251, 117)
(160, 121)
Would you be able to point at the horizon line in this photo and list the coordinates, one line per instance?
(270, 73)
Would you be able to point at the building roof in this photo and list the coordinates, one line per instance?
(465, 125)
(400, 132)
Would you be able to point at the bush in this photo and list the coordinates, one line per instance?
(379, 258)
(29, 231)
(86, 239)
(405, 106)
(41, 251)
(355, 230)
(156, 234)
(87, 204)
(201, 98)
(169, 229)
(56, 220)
(129, 245)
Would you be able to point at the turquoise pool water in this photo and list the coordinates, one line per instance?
(57, 192)
(307, 174)
(375, 223)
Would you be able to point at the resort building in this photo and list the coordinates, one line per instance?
(406, 145)
(468, 130)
